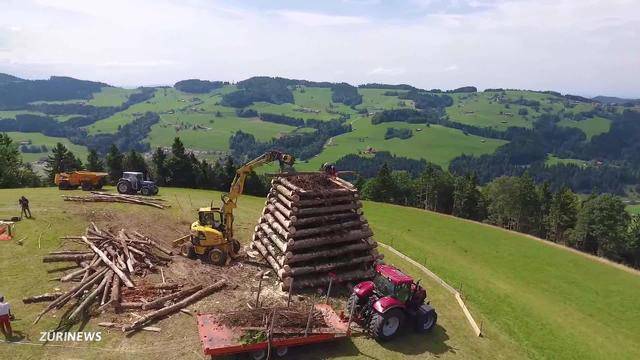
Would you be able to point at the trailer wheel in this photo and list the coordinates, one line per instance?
(64, 185)
(282, 351)
(385, 326)
(259, 354)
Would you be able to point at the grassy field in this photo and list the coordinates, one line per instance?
(375, 100)
(591, 127)
(554, 160)
(634, 209)
(110, 96)
(39, 139)
(435, 143)
(533, 300)
(480, 109)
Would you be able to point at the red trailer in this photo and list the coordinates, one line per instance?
(220, 340)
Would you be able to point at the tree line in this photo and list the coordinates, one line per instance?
(596, 224)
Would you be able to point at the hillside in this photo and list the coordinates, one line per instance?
(534, 300)
(208, 115)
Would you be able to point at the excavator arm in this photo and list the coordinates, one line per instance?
(237, 186)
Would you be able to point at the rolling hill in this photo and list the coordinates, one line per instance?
(534, 300)
(205, 121)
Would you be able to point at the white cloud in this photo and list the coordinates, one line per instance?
(318, 19)
(386, 71)
(578, 46)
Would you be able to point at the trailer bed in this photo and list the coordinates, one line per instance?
(219, 340)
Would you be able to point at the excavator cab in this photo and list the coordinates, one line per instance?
(211, 217)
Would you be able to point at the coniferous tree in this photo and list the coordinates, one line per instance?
(115, 163)
(61, 160)
(13, 172)
(94, 163)
(381, 188)
(159, 162)
(133, 161)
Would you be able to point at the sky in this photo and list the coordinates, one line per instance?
(585, 47)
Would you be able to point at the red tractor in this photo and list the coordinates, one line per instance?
(384, 305)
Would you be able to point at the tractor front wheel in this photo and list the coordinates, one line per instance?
(217, 257)
(145, 191)
(384, 326)
(425, 320)
(124, 187)
(86, 186)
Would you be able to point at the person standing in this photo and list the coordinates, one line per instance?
(24, 204)
(5, 318)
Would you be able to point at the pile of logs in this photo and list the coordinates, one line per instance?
(97, 196)
(312, 231)
(105, 276)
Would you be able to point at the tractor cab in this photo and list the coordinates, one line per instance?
(390, 281)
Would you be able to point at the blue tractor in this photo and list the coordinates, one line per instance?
(133, 183)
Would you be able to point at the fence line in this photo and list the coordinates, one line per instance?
(451, 289)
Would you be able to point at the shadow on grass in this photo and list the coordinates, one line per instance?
(411, 343)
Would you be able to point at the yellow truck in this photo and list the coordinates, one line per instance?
(87, 180)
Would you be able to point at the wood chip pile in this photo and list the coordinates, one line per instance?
(97, 196)
(105, 278)
(312, 229)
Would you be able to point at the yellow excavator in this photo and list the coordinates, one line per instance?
(211, 236)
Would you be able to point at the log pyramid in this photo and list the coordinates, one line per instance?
(312, 229)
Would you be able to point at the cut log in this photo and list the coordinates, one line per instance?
(283, 199)
(327, 201)
(354, 235)
(329, 209)
(90, 298)
(314, 220)
(297, 258)
(177, 306)
(283, 209)
(269, 228)
(178, 295)
(120, 326)
(109, 263)
(349, 225)
(288, 184)
(290, 271)
(115, 293)
(268, 232)
(66, 257)
(69, 294)
(131, 305)
(318, 280)
(284, 221)
(279, 257)
(265, 253)
(290, 195)
(107, 289)
(167, 286)
(42, 297)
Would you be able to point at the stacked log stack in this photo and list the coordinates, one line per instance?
(312, 229)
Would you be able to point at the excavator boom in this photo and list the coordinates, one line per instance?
(237, 186)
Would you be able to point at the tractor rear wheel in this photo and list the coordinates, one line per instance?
(64, 185)
(124, 187)
(354, 301)
(384, 326)
(217, 257)
(188, 251)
